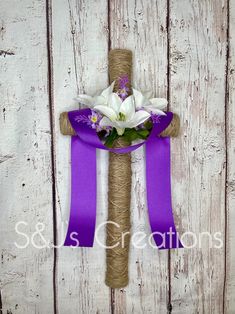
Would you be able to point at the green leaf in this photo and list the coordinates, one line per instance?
(133, 134)
(148, 124)
(111, 138)
(143, 133)
(130, 135)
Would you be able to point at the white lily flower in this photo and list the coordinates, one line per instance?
(91, 101)
(121, 114)
(154, 105)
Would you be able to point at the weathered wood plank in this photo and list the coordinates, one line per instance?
(197, 91)
(25, 159)
(141, 27)
(80, 50)
(229, 301)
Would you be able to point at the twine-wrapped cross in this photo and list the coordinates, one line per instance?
(119, 180)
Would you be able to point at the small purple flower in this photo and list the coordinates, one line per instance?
(155, 117)
(94, 119)
(107, 129)
(122, 88)
(123, 81)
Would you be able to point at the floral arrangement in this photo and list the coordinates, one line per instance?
(116, 114)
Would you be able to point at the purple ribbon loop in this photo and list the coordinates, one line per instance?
(81, 229)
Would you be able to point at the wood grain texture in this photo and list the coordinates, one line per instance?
(198, 41)
(25, 159)
(49, 52)
(80, 51)
(141, 27)
(229, 288)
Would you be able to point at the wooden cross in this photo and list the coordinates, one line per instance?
(120, 63)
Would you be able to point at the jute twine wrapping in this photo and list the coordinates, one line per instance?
(119, 195)
(65, 125)
(120, 63)
(118, 232)
(119, 183)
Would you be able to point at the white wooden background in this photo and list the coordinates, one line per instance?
(50, 51)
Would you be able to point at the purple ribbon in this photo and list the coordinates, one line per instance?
(81, 229)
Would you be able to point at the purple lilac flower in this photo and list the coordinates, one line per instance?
(122, 88)
(155, 117)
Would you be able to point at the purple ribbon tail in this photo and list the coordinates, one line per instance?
(81, 229)
(158, 181)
